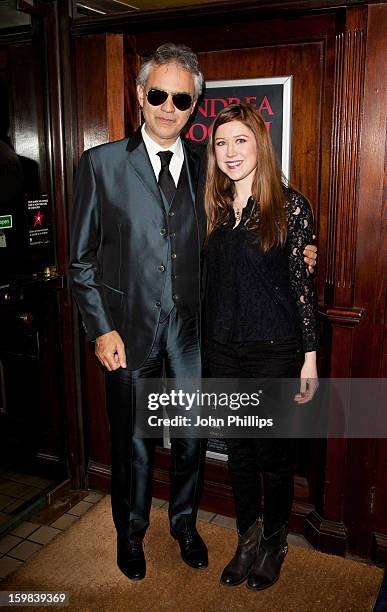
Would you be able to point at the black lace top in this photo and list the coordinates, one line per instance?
(252, 295)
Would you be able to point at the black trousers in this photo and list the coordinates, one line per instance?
(249, 460)
(175, 354)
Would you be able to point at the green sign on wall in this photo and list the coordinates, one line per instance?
(5, 221)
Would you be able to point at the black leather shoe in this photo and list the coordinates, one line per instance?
(130, 558)
(237, 570)
(192, 548)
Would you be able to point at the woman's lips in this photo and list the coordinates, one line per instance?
(234, 164)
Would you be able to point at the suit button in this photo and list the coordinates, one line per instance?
(174, 276)
(175, 297)
(158, 305)
(171, 213)
(173, 235)
(173, 255)
(163, 231)
(161, 268)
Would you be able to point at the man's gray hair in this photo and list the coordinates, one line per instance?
(170, 53)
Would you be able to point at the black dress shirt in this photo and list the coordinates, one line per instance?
(255, 296)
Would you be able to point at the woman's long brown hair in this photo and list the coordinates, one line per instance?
(268, 185)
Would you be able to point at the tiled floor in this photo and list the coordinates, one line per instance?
(26, 539)
(17, 491)
(30, 536)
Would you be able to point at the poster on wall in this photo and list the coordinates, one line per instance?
(271, 97)
(38, 219)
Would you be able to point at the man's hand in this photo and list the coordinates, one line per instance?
(310, 256)
(110, 351)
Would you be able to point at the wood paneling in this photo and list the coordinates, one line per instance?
(100, 89)
(60, 144)
(114, 86)
(212, 13)
(95, 416)
(366, 473)
(348, 88)
(131, 66)
(100, 105)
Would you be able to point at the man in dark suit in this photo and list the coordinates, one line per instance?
(137, 230)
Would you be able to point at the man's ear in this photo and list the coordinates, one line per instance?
(140, 95)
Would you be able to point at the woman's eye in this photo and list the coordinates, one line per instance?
(240, 140)
(219, 143)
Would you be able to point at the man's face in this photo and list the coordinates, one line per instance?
(165, 122)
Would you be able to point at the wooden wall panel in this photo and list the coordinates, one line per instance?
(366, 473)
(114, 86)
(348, 88)
(101, 103)
(240, 33)
(371, 245)
(100, 89)
(131, 66)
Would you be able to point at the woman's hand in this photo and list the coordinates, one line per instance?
(309, 379)
(310, 256)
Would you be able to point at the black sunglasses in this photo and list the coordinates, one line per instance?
(182, 101)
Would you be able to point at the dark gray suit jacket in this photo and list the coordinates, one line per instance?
(118, 241)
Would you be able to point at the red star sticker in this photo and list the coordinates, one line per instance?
(38, 218)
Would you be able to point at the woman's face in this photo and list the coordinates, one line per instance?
(236, 151)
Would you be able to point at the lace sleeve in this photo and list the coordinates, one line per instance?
(300, 233)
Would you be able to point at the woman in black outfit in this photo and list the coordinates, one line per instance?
(260, 321)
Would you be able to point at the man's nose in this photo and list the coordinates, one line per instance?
(168, 105)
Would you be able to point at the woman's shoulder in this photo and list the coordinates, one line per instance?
(296, 203)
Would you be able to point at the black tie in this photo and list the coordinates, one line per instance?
(166, 181)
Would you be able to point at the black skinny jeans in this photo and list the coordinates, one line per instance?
(250, 458)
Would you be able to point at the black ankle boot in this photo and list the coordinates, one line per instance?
(267, 566)
(237, 570)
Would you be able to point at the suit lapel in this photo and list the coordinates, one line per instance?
(139, 160)
(192, 163)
